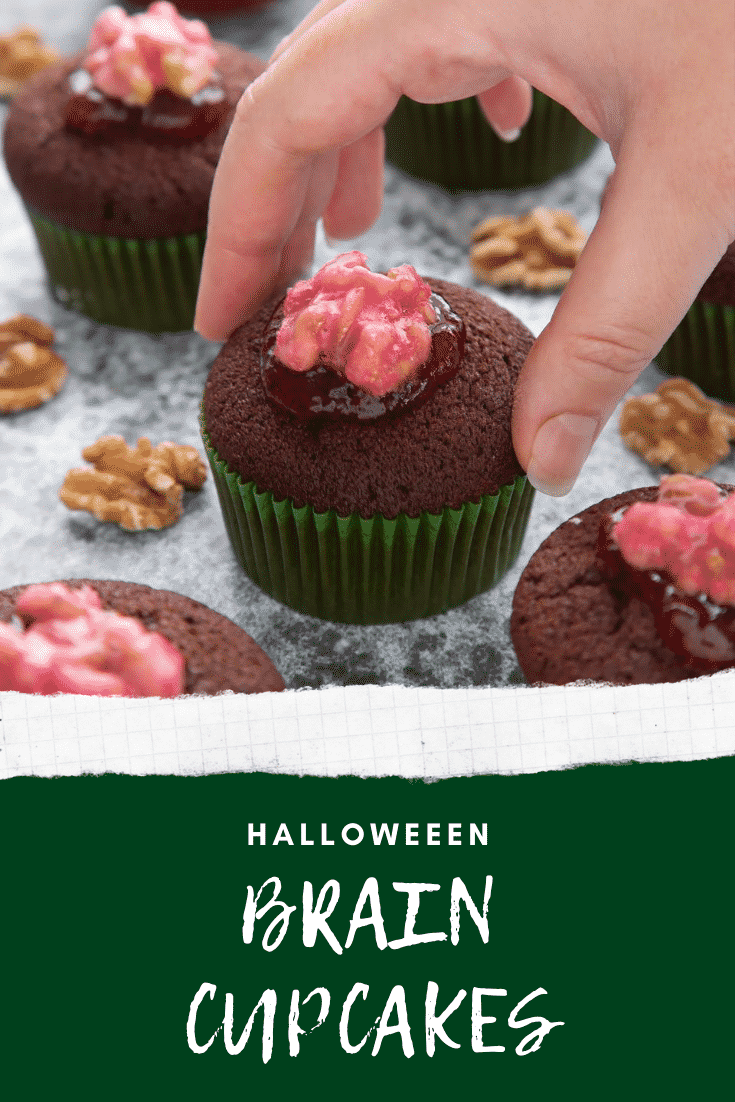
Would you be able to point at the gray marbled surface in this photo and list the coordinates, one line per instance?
(131, 383)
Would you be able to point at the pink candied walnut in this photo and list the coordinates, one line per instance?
(74, 646)
(374, 329)
(689, 532)
(131, 56)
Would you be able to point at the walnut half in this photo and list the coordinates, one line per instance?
(678, 427)
(537, 252)
(22, 54)
(30, 373)
(137, 488)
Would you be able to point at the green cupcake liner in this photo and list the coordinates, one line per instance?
(702, 349)
(138, 283)
(453, 145)
(375, 570)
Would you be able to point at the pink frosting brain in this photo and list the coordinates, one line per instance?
(131, 56)
(74, 646)
(374, 329)
(689, 533)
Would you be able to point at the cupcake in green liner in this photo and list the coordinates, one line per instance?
(114, 152)
(702, 347)
(453, 145)
(373, 479)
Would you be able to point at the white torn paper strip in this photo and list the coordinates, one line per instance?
(370, 730)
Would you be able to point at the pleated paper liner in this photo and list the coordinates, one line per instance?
(702, 348)
(372, 571)
(452, 144)
(138, 283)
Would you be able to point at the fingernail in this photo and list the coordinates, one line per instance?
(561, 446)
(508, 135)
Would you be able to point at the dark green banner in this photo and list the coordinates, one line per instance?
(181, 938)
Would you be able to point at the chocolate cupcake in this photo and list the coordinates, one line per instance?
(453, 145)
(702, 347)
(361, 506)
(184, 647)
(114, 154)
(640, 604)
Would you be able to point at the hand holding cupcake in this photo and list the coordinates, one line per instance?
(314, 146)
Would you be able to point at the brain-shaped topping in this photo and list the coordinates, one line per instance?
(131, 56)
(689, 533)
(374, 329)
(74, 646)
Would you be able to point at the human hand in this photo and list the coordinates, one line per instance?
(655, 81)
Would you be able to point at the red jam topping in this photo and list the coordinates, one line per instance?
(153, 72)
(356, 331)
(73, 646)
(678, 556)
(167, 115)
(325, 393)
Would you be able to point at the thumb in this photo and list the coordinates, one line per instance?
(651, 250)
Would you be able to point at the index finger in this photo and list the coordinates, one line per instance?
(278, 166)
(331, 87)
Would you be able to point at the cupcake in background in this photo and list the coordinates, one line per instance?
(109, 638)
(359, 436)
(702, 347)
(638, 589)
(453, 145)
(114, 152)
